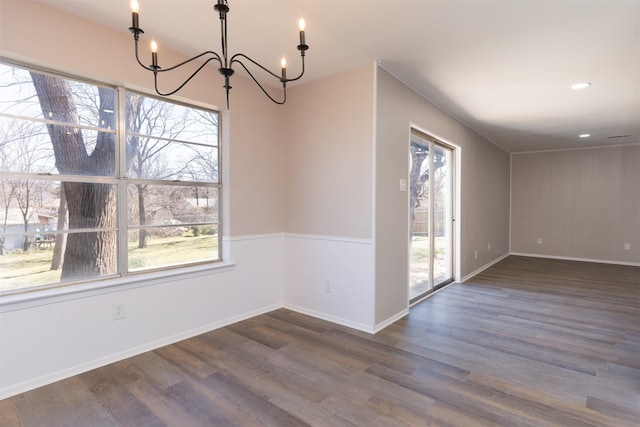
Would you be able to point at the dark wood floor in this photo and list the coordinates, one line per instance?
(529, 342)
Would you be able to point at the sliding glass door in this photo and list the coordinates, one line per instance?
(431, 215)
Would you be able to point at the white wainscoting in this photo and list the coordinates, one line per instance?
(331, 278)
(45, 339)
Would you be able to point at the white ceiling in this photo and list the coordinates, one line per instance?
(502, 67)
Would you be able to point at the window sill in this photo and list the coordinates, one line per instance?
(62, 293)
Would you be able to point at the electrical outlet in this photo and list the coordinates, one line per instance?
(118, 311)
(327, 286)
(627, 246)
(475, 255)
(539, 240)
(489, 247)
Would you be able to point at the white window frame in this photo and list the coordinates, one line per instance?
(123, 277)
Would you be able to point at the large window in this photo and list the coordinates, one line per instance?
(99, 181)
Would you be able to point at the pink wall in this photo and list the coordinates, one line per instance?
(63, 43)
(328, 156)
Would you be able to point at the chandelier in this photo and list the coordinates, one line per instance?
(225, 62)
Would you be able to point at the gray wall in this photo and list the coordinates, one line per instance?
(583, 204)
(484, 190)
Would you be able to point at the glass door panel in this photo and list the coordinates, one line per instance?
(431, 216)
(419, 249)
(442, 216)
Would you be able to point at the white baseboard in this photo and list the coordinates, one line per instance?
(329, 318)
(348, 323)
(602, 261)
(103, 361)
(484, 267)
(380, 326)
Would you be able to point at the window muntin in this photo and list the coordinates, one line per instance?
(61, 143)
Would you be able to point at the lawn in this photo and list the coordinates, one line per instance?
(20, 269)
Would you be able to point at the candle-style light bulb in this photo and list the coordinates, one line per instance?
(283, 64)
(154, 54)
(301, 26)
(134, 13)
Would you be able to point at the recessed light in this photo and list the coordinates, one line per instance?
(581, 85)
(584, 135)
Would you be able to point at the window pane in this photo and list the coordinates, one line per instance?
(167, 160)
(43, 96)
(170, 246)
(34, 108)
(172, 205)
(27, 147)
(27, 206)
(32, 267)
(30, 204)
(28, 269)
(164, 120)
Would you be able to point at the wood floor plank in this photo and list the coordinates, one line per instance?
(207, 405)
(539, 407)
(618, 411)
(361, 415)
(158, 369)
(443, 415)
(527, 342)
(445, 394)
(311, 412)
(234, 367)
(65, 403)
(253, 405)
(9, 416)
(400, 409)
(125, 407)
(185, 361)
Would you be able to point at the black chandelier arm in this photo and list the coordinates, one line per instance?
(284, 83)
(301, 72)
(242, 55)
(155, 75)
(233, 59)
(161, 70)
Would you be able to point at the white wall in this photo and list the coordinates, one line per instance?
(330, 278)
(48, 339)
(583, 204)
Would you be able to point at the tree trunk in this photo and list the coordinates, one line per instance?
(142, 214)
(61, 238)
(26, 243)
(91, 205)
